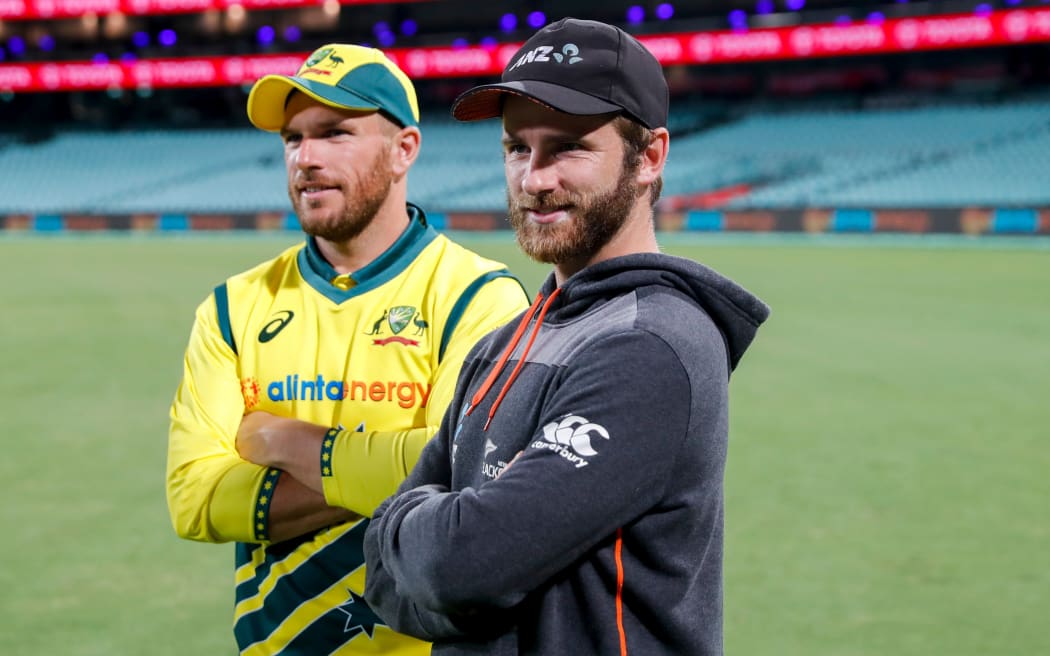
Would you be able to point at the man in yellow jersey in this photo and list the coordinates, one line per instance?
(312, 381)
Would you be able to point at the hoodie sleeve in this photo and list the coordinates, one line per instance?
(606, 442)
(381, 588)
(383, 591)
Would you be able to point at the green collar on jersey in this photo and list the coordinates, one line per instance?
(318, 273)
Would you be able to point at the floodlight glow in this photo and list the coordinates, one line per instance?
(265, 35)
(635, 14)
(664, 11)
(167, 38)
(537, 19)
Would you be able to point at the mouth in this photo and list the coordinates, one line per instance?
(314, 190)
(544, 215)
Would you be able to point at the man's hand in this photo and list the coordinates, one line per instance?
(256, 437)
(294, 447)
(291, 445)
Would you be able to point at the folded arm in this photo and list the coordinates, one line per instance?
(546, 511)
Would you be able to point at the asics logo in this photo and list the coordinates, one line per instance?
(275, 326)
(571, 439)
(569, 53)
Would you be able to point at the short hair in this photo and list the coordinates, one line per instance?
(636, 138)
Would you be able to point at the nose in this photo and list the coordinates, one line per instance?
(307, 155)
(539, 176)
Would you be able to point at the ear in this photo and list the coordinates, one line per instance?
(654, 157)
(404, 149)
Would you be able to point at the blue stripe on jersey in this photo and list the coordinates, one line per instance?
(318, 273)
(222, 309)
(310, 579)
(464, 300)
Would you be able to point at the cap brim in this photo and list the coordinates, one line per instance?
(486, 101)
(267, 99)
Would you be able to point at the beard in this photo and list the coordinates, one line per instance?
(361, 201)
(596, 218)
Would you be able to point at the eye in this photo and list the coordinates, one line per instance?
(291, 138)
(515, 149)
(336, 132)
(570, 146)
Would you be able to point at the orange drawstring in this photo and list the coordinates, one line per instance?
(484, 389)
(521, 360)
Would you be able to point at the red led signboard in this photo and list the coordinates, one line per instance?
(697, 48)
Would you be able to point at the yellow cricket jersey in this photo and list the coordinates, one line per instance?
(374, 354)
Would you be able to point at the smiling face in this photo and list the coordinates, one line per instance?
(339, 166)
(569, 190)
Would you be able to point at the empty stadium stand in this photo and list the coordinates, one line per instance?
(938, 156)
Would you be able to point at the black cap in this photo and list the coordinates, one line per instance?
(578, 67)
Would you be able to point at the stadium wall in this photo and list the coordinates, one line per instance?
(970, 221)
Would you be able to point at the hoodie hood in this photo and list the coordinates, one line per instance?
(737, 312)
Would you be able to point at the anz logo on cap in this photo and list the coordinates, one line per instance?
(569, 54)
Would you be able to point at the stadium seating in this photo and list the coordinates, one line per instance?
(199, 171)
(924, 157)
(921, 157)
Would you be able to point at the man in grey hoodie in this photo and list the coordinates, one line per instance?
(572, 501)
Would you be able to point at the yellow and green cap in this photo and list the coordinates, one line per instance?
(341, 76)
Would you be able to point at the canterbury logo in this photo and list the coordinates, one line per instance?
(571, 439)
(270, 330)
(570, 54)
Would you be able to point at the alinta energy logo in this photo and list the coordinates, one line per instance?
(293, 387)
(396, 320)
(275, 325)
(571, 439)
(569, 54)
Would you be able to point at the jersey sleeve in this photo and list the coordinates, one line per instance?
(368, 467)
(213, 495)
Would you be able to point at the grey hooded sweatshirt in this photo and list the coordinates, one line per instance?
(572, 502)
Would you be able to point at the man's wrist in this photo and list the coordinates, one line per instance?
(286, 443)
(327, 446)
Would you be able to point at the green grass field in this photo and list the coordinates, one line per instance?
(888, 478)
